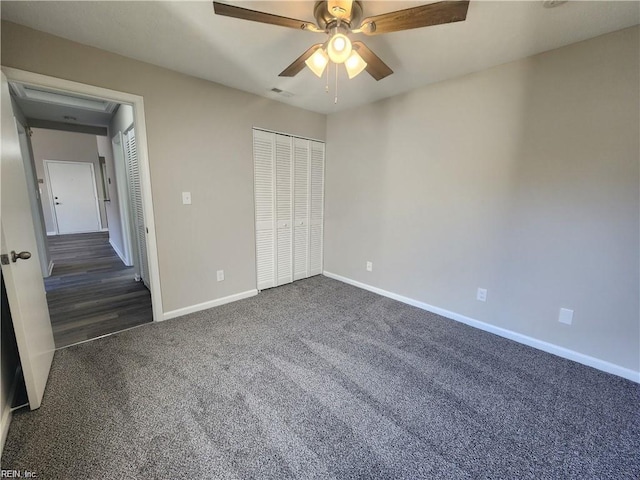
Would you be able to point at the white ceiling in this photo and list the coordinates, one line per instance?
(187, 37)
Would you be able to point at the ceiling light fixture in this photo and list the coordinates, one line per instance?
(318, 61)
(354, 64)
(339, 48)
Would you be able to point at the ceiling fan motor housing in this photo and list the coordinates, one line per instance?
(326, 20)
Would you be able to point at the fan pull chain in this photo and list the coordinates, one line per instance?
(326, 88)
(336, 99)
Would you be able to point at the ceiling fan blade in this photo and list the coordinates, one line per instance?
(375, 67)
(255, 16)
(416, 17)
(340, 8)
(298, 64)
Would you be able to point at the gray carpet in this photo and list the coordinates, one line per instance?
(319, 379)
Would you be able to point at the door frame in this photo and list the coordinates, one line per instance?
(137, 102)
(52, 202)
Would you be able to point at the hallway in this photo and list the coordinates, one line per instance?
(91, 292)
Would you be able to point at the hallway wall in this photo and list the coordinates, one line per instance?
(67, 146)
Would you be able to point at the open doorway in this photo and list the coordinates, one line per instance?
(82, 166)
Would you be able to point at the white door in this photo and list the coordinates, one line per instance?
(284, 210)
(264, 189)
(316, 216)
(137, 211)
(75, 199)
(23, 279)
(301, 173)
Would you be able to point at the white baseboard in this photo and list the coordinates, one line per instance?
(502, 332)
(118, 252)
(50, 267)
(206, 305)
(52, 234)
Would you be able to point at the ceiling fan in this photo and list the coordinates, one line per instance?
(340, 18)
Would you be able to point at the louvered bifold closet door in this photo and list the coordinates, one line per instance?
(264, 190)
(316, 210)
(137, 210)
(284, 210)
(301, 172)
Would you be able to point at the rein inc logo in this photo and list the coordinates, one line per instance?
(18, 474)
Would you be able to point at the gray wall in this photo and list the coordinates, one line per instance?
(200, 140)
(522, 179)
(67, 146)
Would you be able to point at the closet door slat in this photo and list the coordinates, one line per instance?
(264, 191)
(301, 171)
(316, 200)
(284, 210)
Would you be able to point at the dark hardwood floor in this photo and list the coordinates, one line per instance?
(91, 292)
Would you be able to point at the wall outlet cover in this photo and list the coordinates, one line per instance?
(220, 275)
(369, 266)
(565, 316)
(482, 295)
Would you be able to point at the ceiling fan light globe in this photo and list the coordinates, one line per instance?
(317, 62)
(355, 64)
(339, 48)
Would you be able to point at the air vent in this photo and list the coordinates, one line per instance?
(279, 91)
(553, 3)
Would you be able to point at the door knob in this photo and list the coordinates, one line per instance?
(22, 256)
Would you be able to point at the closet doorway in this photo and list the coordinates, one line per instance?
(289, 207)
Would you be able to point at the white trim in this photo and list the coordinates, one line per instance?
(137, 102)
(54, 213)
(118, 252)
(52, 234)
(210, 304)
(288, 134)
(602, 365)
(50, 267)
(103, 229)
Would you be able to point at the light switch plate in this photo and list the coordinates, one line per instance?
(186, 198)
(220, 275)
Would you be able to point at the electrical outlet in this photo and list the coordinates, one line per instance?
(186, 198)
(369, 266)
(565, 316)
(220, 274)
(482, 295)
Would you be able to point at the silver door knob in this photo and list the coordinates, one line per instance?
(22, 256)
